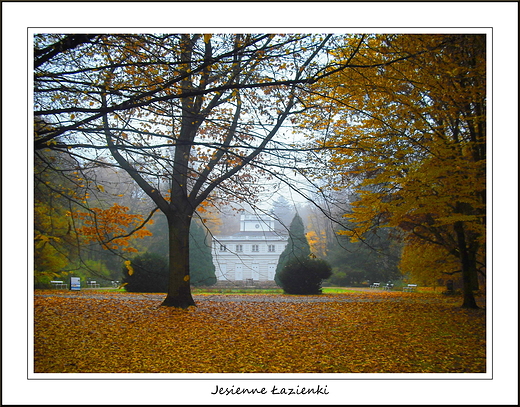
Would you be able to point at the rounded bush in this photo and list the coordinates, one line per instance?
(304, 276)
(150, 274)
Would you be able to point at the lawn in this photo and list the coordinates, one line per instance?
(346, 332)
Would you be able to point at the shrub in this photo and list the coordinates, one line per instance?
(150, 274)
(304, 276)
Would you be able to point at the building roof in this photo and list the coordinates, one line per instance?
(253, 235)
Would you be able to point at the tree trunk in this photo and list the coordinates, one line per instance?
(469, 268)
(179, 291)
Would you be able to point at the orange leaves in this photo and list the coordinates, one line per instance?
(114, 227)
(357, 332)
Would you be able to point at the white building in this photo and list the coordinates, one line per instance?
(251, 253)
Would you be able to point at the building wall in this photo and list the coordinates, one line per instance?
(251, 254)
(254, 223)
(243, 259)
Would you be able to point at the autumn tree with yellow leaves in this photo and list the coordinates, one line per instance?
(76, 220)
(53, 240)
(409, 139)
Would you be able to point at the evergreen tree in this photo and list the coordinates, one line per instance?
(202, 269)
(283, 213)
(297, 246)
(376, 258)
(158, 242)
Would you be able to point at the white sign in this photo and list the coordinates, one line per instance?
(75, 283)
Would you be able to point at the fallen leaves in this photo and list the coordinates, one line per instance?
(365, 332)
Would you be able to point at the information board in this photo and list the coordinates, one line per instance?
(75, 283)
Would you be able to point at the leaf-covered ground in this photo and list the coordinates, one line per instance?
(366, 331)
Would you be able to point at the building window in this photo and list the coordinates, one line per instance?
(238, 247)
(254, 248)
(271, 248)
(223, 248)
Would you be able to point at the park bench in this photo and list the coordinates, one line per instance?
(92, 284)
(410, 287)
(375, 285)
(58, 284)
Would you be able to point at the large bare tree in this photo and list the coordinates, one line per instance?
(190, 117)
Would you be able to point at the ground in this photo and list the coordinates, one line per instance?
(364, 331)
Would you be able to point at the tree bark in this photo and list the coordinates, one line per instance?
(469, 268)
(179, 292)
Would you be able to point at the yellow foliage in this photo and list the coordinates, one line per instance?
(317, 242)
(412, 136)
(50, 229)
(425, 262)
(128, 265)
